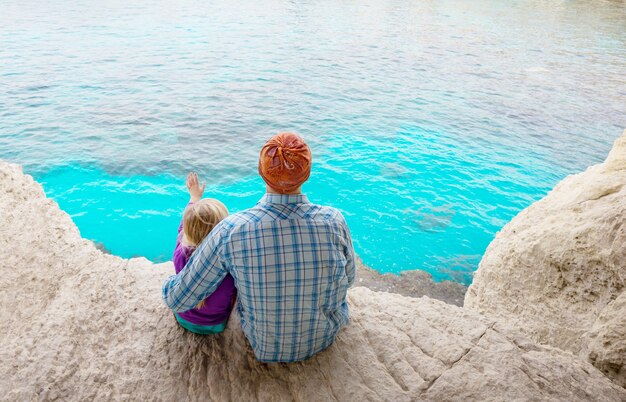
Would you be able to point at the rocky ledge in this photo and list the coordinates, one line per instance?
(78, 324)
(411, 283)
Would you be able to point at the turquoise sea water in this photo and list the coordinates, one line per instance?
(431, 123)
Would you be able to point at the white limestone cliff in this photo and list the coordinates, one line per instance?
(78, 324)
(557, 271)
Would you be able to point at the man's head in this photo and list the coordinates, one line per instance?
(285, 163)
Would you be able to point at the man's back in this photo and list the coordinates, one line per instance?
(292, 262)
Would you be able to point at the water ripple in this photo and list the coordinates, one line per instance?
(431, 124)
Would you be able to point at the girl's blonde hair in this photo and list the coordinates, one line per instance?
(200, 218)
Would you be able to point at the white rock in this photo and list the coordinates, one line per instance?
(555, 267)
(78, 324)
(605, 343)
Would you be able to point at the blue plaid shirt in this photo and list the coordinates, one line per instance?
(292, 262)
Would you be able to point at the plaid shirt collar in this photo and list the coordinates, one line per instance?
(271, 198)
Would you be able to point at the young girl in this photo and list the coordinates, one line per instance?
(199, 218)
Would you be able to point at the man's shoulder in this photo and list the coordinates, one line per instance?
(323, 212)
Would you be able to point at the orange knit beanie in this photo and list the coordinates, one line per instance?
(285, 162)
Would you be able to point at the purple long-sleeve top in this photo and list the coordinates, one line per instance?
(217, 306)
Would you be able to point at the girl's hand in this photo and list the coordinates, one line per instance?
(193, 186)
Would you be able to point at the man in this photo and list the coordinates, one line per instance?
(292, 262)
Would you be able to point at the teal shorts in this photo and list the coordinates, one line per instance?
(201, 329)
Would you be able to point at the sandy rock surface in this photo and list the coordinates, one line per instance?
(556, 267)
(77, 324)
